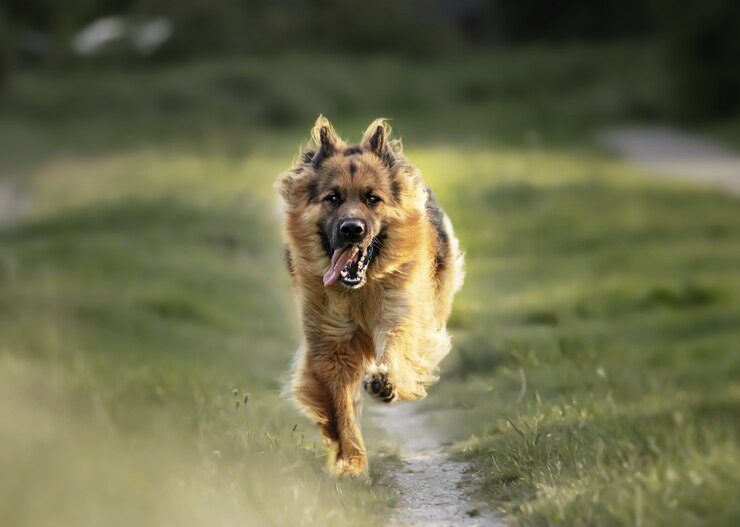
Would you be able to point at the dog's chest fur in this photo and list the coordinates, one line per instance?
(360, 309)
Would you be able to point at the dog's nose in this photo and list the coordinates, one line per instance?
(352, 229)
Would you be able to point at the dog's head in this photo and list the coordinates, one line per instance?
(347, 205)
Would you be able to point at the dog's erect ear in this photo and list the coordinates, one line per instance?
(375, 140)
(325, 138)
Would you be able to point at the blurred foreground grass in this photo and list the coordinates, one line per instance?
(146, 283)
(128, 319)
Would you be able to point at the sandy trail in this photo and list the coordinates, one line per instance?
(430, 483)
(670, 153)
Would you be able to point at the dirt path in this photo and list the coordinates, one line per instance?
(670, 153)
(430, 483)
(12, 203)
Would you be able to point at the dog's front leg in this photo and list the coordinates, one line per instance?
(408, 350)
(388, 376)
(394, 375)
(325, 385)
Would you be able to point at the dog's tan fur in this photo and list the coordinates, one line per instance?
(389, 333)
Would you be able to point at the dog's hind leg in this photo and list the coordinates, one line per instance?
(325, 387)
(351, 458)
(314, 401)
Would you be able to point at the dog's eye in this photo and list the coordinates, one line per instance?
(373, 199)
(334, 199)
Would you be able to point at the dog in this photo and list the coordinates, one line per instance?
(374, 264)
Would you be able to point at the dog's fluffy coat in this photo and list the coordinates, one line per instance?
(379, 327)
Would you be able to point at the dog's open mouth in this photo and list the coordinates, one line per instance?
(349, 265)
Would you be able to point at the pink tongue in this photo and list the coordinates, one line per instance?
(338, 260)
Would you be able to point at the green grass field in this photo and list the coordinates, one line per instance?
(596, 369)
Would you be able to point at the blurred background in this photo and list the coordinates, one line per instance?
(697, 44)
(146, 321)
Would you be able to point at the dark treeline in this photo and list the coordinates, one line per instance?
(412, 26)
(700, 40)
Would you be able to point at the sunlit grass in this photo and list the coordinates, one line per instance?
(595, 373)
(597, 348)
(140, 293)
(77, 461)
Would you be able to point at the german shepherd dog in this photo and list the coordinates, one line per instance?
(374, 266)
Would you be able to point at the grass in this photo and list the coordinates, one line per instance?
(132, 332)
(141, 301)
(596, 365)
(597, 353)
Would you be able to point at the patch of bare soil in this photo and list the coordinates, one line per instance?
(431, 485)
(670, 153)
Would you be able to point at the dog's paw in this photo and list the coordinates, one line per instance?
(354, 467)
(378, 385)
